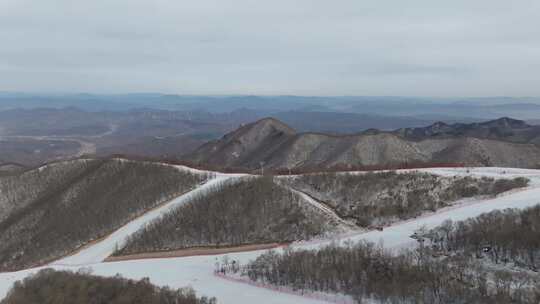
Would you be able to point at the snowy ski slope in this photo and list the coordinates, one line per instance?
(197, 271)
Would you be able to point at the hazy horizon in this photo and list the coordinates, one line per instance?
(180, 94)
(416, 48)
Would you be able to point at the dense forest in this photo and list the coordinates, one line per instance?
(265, 210)
(369, 274)
(62, 287)
(502, 236)
(252, 210)
(49, 212)
(384, 197)
(20, 190)
(492, 258)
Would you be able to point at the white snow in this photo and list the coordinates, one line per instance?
(197, 271)
(397, 235)
(102, 249)
(323, 208)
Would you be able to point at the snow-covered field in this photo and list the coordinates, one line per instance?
(197, 271)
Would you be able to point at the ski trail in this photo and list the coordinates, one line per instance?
(323, 208)
(397, 235)
(99, 251)
(197, 271)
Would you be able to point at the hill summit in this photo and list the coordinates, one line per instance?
(271, 143)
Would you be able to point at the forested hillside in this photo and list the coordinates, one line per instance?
(385, 197)
(20, 190)
(259, 210)
(49, 212)
(503, 143)
(492, 258)
(253, 210)
(503, 237)
(370, 274)
(63, 287)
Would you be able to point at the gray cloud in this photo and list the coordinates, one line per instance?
(312, 47)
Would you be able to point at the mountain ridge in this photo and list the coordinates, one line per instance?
(501, 142)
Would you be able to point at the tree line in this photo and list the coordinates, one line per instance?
(339, 167)
(62, 287)
(502, 236)
(371, 274)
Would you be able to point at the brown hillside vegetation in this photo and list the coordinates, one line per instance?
(383, 197)
(272, 144)
(262, 210)
(49, 212)
(252, 211)
(513, 237)
(492, 258)
(63, 287)
(371, 274)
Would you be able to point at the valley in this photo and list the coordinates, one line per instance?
(337, 140)
(33, 136)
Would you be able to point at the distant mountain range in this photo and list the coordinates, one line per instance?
(271, 143)
(444, 108)
(312, 137)
(34, 136)
(507, 129)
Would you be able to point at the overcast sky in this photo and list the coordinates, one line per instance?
(307, 47)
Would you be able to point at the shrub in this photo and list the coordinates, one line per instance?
(503, 185)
